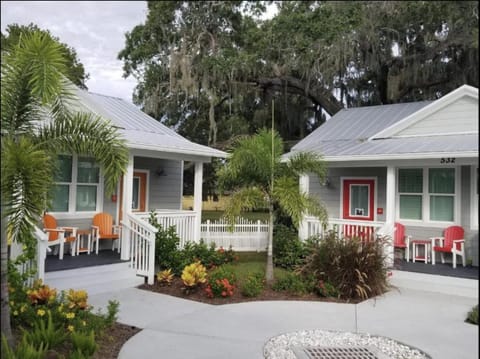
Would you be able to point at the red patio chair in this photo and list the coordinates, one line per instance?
(453, 241)
(56, 235)
(401, 240)
(103, 228)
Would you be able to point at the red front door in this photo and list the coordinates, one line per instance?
(358, 199)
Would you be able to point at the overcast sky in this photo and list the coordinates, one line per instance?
(95, 29)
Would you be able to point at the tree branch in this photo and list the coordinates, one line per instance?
(320, 97)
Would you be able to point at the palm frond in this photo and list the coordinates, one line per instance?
(244, 199)
(26, 170)
(286, 192)
(90, 135)
(304, 162)
(250, 161)
(32, 76)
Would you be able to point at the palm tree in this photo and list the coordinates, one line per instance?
(259, 179)
(37, 124)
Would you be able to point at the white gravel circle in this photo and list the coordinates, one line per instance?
(279, 347)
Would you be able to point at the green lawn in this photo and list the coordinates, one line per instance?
(252, 262)
(255, 216)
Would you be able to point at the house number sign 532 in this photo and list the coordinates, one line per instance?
(447, 160)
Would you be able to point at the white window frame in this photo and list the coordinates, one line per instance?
(425, 221)
(350, 201)
(474, 197)
(72, 198)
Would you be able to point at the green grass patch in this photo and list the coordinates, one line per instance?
(252, 262)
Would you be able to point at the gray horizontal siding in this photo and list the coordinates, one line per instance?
(330, 195)
(166, 190)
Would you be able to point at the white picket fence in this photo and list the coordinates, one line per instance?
(246, 236)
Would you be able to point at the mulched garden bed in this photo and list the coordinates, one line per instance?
(176, 289)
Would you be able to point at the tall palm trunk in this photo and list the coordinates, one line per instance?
(269, 270)
(5, 313)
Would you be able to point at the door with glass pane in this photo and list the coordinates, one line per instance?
(358, 199)
(139, 192)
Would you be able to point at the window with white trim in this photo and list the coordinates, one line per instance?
(77, 185)
(426, 194)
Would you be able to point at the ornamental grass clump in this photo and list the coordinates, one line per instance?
(357, 270)
(46, 333)
(193, 275)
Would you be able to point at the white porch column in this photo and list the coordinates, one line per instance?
(390, 209)
(197, 199)
(304, 182)
(127, 208)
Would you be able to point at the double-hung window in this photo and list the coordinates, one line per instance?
(427, 194)
(77, 185)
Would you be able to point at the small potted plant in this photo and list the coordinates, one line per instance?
(469, 262)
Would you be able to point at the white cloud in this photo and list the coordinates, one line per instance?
(95, 29)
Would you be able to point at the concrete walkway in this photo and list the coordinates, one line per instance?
(428, 318)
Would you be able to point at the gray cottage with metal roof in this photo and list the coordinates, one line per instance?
(153, 181)
(412, 163)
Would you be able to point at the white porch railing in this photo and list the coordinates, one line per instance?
(141, 236)
(342, 227)
(246, 235)
(16, 249)
(184, 222)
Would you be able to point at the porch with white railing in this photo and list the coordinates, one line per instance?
(341, 227)
(183, 220)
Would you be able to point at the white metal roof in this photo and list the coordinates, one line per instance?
(364, 133)
(139, 129)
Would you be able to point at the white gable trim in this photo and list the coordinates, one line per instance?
(446, 100)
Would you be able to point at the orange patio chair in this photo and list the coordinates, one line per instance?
(453, 241)
(401, 240)
(56, 235)
(103, 228)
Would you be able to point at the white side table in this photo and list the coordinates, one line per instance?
(83, 247)
(416, 243)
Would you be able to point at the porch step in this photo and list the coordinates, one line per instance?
(435, 283)
(95, 280)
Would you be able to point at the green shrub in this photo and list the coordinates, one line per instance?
(326, 289)
(472, 316)
(84, 343)
(207, 254)
(166, 246)
(288, 250)
(253, 285)
(292, 283)
(221, 283)
(356, 270)
(202, 252)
